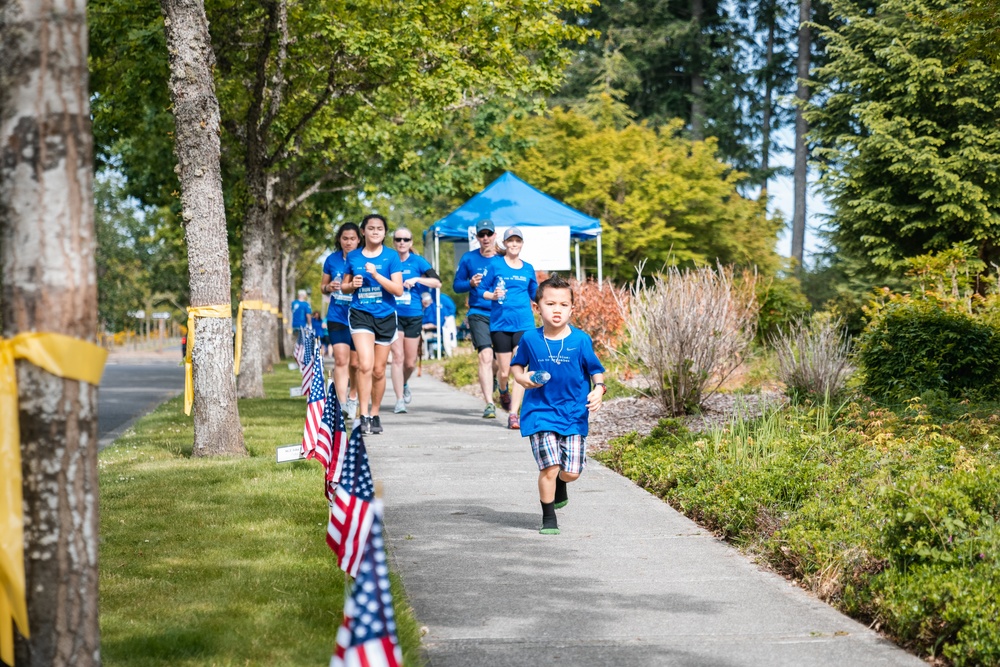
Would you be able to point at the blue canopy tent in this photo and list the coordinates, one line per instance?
(509, 201)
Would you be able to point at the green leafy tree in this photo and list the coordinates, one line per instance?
(661, 197)
(909, 132)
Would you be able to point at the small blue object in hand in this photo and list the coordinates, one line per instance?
(540, 377)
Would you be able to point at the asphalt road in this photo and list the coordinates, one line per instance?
(130, 388)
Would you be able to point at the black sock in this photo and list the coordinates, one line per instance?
(561, 494)
(549, 515)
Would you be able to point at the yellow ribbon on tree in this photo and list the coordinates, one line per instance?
(245, 305)
(224, 311)
(65, 357)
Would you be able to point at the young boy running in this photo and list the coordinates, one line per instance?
(556, 408)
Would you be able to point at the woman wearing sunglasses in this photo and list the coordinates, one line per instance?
(375, 278)
(418, 277)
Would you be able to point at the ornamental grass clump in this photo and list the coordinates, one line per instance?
(813, 358)
(689, 330)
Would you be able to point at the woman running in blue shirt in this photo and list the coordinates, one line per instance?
(375, 278)
(511, 286)
(345, 359)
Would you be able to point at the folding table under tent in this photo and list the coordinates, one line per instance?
(509, 201)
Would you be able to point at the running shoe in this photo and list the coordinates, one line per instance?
(366, 425)
(376, 425)
(490, 412)
(407, 396)
(513, 422)
(400, 406)
(505, 400)
(352, 407)
(550, 526)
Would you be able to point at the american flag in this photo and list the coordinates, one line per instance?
(300, 349)
(314, 409)
(368, 633)
(308, 358)
(331, 442)
(350, 509)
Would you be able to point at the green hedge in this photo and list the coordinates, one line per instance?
(913, 347)
(892, 518)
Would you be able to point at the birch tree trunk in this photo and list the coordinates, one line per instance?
(47, 243)
(196, 114)
(801, 128)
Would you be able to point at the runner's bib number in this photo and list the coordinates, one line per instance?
(405, 299)
(370, 295)
(341, 297)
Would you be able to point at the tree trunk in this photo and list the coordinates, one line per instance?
(289, 257)
(196, 114)
(47, 243)
(257, 259)
(765, 131)
(278, 224)
(697, 73)
(801, 147)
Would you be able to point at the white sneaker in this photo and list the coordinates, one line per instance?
(400, 406)
(352, 408)
(407, 396)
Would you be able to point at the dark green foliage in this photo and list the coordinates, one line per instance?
(912, 347)
(893, 518)
(782, 301)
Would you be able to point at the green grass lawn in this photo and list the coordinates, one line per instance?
(220, 562)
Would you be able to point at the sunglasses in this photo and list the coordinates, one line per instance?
(400, 239)
(483, 234)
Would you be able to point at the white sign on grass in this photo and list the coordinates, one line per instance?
(289, 453)
(545, 248)
(295, 392)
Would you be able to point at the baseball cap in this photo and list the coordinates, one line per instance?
(485, 224)
(513, 231)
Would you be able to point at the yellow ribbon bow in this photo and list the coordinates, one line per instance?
(245, 305)
(224, 311)
(65, 357)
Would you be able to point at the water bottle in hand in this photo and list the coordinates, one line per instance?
(540, 377)
(501, 290)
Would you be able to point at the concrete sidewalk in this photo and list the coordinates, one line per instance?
(628, 582)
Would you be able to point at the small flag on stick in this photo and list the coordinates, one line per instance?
(350, 509)
(368, 633)
(311, 433)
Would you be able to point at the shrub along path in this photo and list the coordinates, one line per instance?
(629, 581)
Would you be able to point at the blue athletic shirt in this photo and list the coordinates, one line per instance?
(559, 405)
(300, 313)
(472, 263)
(370, 297)
(447, 308)
(514, 314)
(409, 305)
(335, 266)
(318, 329)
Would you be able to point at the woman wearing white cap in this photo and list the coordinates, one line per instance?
(511, 286)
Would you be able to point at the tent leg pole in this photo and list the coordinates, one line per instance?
(437, 253)
(579, 274)
(600, 263)
(440, 333)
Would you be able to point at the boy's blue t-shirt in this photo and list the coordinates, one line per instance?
(300, 313)
(447, 308)
(370, 297)
(408, 305)
(472, 263)
(559, 405)
(335, 266)
(514, 314)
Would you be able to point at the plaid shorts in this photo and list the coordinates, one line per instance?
(569, 452)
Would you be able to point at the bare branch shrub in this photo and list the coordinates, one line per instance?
(813, 357)
(689, 330)
(600, 311)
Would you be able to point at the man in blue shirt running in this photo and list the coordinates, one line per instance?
(472, 269)
(301, 310)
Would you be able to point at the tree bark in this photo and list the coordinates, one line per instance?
(274, 298)
(697, 73)
(801, 128)
(47, 243)
(257, 258)
(196, 113)
(765, 131)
